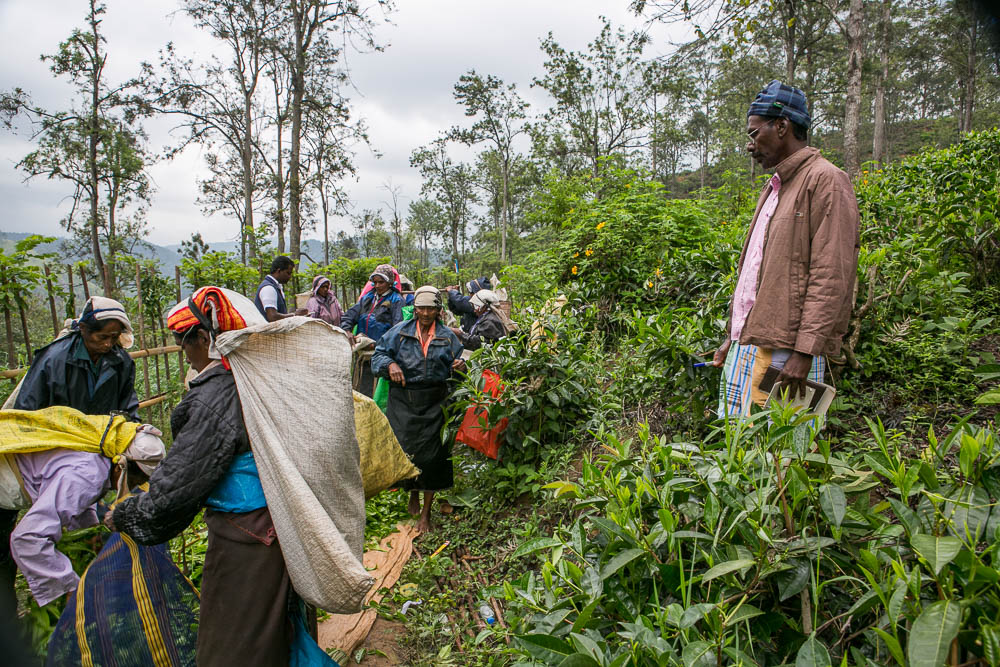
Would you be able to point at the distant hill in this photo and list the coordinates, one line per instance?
(168, 256)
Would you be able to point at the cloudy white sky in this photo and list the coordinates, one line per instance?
(404, 93)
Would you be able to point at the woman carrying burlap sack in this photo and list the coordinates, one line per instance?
(246, 589)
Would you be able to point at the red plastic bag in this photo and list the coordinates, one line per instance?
(486, 440)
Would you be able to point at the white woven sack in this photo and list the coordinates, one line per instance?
(301, 426)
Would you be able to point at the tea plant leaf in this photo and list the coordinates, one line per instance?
(896, 601)
(812, 653)
(794, 579)
(562, 488)
(695, 613)
(893, 644)
(932, 633)
(698, 654)
(833, 500)
(694, 534)
(619, 561)
(726, 568)
(990, 637)
(585, 644)
(579, 660)
(591, 583)
(992, 397)
(545, 647)
(937, 551)
(584, 617)
(744, 613)
(537, 544)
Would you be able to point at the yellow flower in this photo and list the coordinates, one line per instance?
(866, 181)
(576, 254)
(589, 252)
(573, 270)
(659, 273)
(600, 225)
(649, 283)
(628, 185)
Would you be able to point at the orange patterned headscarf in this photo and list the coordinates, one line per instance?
(208, 300)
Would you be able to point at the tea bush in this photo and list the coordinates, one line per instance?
(741, 549)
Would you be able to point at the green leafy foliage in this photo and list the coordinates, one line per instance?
(750, 547)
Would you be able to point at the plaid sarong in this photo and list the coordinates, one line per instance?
(743, 371)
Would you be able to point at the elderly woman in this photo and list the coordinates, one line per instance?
(378, 310)
(489, 326)
(89, 370)
(323, 304)
(210, 464)
(418, 356)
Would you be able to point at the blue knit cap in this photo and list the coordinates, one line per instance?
(777, 100)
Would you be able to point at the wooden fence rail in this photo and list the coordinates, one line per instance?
(12, 373)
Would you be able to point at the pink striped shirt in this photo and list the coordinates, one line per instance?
(746, 284)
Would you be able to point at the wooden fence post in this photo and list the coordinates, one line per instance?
(86, 288)
(156, 360)
(142, 331)
(72, 292)
(108, 292)
(24, 330)
(52, 301)
(180, 353)
(11, 354)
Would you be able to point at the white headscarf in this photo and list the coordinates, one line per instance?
(103, 308)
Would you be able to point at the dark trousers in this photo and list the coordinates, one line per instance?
(244, 593)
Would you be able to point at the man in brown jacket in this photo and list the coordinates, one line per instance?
(794, 292)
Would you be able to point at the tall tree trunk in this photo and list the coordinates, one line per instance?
(852, 107)
(504, 203)
(878, 139)
(299, 14)
(249, 237)
(970, 72)
(279, 187)
(788, 33)
(92, 140)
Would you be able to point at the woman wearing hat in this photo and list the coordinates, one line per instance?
(210, 464)
(461, 305)
(418, 356)
(378, 310)
(489, 326)
(89, 370)
(323, 304)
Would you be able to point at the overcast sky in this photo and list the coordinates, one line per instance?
(404, 93)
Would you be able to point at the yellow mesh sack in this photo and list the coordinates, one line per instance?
(383, 461)
(26, 431)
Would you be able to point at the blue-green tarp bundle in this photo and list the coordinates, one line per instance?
(133, 608)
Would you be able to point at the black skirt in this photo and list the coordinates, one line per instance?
(416, 415)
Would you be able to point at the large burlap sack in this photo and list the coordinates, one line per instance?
(293, 377)
(383, 461)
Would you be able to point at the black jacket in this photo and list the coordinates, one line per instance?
(487, 329)
(209, 432)
(466, 312)
(57, 378)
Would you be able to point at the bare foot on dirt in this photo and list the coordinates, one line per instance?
(424, 525)
(414, 506)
